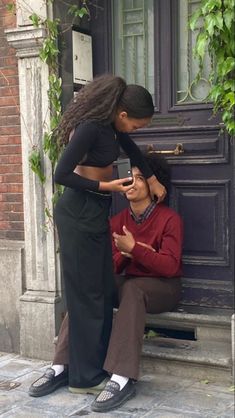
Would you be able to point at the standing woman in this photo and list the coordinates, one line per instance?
(99, 117)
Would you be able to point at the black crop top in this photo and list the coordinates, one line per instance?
(96, 145)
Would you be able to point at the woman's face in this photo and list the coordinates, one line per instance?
(123, 123)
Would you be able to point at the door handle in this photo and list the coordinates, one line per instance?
(179, 149)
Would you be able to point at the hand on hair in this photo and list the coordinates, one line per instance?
(156, 189)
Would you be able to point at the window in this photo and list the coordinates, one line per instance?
(189, 90)
(133, 41)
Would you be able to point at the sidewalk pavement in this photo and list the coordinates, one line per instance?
(158, 396)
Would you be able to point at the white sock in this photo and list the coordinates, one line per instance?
(59, 368)
(121, 380)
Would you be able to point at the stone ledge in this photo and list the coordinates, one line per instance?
(188, 351)
(10, 244)
(185, 319)
(40, 297)
(26, 40)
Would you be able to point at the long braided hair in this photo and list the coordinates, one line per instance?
(97, 100)
(100, 100)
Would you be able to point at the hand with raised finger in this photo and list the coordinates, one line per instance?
(125, 243)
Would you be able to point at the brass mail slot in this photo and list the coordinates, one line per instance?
(179, 149)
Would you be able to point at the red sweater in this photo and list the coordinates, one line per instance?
(163, 231)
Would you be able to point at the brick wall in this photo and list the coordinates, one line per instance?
(11, 188)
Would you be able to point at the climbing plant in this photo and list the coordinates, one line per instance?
(49, 53)
(215, 22)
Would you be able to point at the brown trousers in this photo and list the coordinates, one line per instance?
(136, 297)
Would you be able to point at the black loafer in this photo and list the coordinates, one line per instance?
(48, 383)
(112, 397)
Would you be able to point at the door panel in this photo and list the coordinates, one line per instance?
(202, 176)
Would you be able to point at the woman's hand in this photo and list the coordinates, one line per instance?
(125, 243)
(156, 189)
(117, 185)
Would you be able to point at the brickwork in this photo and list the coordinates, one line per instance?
(11, 182)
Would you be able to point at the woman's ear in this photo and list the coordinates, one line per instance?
(122, 115)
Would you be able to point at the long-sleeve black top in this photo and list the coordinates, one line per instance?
(97, 145)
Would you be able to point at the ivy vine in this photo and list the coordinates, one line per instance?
(215, 22)
(49, 54)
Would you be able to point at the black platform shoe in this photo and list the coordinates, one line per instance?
(112, 397)
(48, 382)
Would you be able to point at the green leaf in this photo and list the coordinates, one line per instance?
(194, 19)
(216, 92)
(48, 213)
(227, 115)
(78, 12)
(35, 19)
(11, 7)
(201, 43)
(82, 12)
(151, 334)
(210, 23)
(58, 192)
(210, 5)
(205, 382)
(213, 21)
(228, 16)
(219, 20)
(229, 100)
(229, 85)
(35, 164)
(229, 3)
(228, 66)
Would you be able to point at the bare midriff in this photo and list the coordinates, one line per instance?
(95, 173)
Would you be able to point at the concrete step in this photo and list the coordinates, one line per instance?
(204, 326)
(207, 355)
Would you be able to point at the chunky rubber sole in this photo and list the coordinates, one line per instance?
(93, 390)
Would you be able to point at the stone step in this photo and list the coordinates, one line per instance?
(204, 325)
(185, 358)
(207, 354)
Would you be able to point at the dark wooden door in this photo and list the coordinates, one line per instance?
(202, 175)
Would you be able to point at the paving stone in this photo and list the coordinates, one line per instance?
(113, 414)
(153, 384)
(11, 399)
(158, 396)
(25, 412)
(13, 368)
(199, 401)
(229, 413)
(172, 413)
(212, 386)
(7, 356)
(61, 400)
